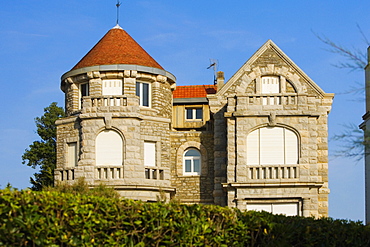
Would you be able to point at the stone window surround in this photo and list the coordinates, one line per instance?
(180, 158)
(109, 127)
(258, 72)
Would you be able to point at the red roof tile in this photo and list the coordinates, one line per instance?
(196, 91)
(117, 47)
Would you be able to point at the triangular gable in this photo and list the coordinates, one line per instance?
(268, 53)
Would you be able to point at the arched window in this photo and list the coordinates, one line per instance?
(272, 146)
(109, 148)
(192, 162)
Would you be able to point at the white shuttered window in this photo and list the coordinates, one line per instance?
(272, 146)
(149, 154)
(112, 87)
(289, 209)
(72, 154)
(109, 148)
(270, 84)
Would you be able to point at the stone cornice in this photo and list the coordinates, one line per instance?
(118, 67)
(273, 184)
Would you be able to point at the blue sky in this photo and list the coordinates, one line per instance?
(41, 40)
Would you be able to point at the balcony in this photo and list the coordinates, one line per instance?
(103, 103)
(273, 172)
(154, 173)
(109, 173)
(286, 99)
(67, 174)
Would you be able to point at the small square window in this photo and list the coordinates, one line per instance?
(194, 114)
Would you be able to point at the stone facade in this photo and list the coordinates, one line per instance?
(225, 166)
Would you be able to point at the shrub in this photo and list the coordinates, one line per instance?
(55, 218)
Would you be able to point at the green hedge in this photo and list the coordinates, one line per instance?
(52, 218)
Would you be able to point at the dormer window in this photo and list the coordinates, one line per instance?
(143, 90)
(194, 114)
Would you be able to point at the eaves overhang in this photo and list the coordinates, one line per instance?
(118, 67)
(189, 100)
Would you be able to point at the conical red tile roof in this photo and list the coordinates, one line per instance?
(117, 47)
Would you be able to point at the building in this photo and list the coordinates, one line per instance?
(255, 142)
(365, 126)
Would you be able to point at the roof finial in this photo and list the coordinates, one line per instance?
(118, 5)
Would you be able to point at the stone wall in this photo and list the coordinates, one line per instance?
(196, 188)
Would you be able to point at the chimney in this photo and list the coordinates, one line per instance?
(220, 80)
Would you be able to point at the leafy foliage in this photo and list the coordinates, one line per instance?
(42, 154)
(52, 218)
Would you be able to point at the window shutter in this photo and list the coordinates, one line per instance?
(72, 154)
(253, 149)
(109, 148)
(272, 146)
(289, 209)
(260, 207)
(112, 87)
(149, 154)
(270, 84)
(291, 147)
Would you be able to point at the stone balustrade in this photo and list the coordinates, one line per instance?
(154, 173)
(273, 172)
(286, 99)
(104, 101)
(67, 174)
(109, 172)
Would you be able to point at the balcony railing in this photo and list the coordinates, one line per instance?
(154, 173)
(104, 101)
(110, 172)
(273, 172)
(67, 174)
(273, 99)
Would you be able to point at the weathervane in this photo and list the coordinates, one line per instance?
(118, 5)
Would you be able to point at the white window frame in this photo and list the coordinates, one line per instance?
(192, 165)
(150, 153)
(140, 90)
(193, 113)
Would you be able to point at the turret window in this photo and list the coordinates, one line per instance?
(72, 154)
(149, 154)
(109, 148)
(84, 91)
(143, 90)
(112, 87)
